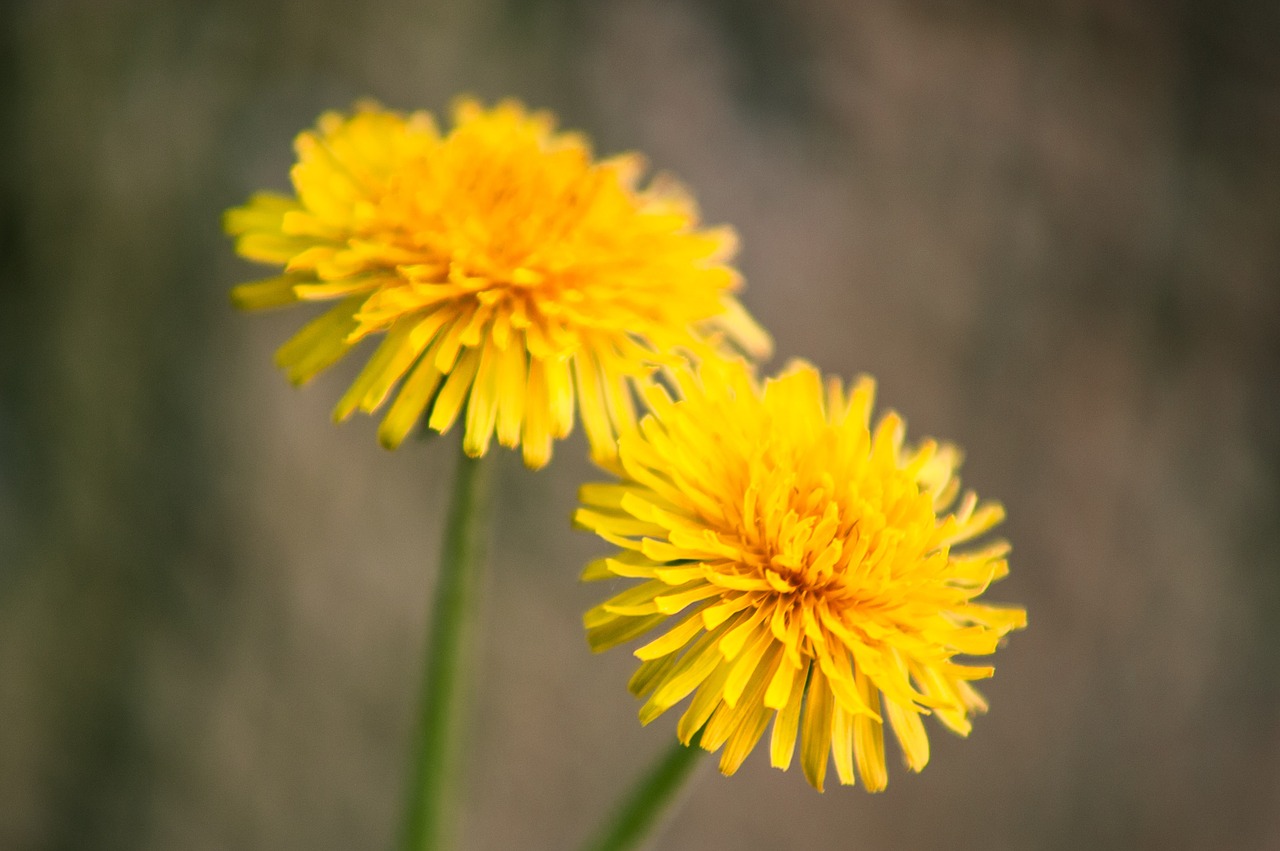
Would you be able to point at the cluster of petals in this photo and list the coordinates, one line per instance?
(510, 277)
(808, 570)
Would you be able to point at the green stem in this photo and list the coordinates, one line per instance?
(653, 796)
(444, 684)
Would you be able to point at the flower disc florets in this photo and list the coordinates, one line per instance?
(506, 271)
(818, 572)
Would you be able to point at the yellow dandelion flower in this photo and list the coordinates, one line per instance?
(818, 573)
(507, 272)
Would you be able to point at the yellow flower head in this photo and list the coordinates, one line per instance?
(504, 268)
(809, 568)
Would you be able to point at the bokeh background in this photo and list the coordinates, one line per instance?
(1051, 229)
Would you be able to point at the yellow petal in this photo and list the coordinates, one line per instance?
(413, 398)
(449, 402)
(815, 729)
(787, 723)
(868, 740)
(266, 293)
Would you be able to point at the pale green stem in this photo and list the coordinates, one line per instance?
(653, 796)
(436, 767)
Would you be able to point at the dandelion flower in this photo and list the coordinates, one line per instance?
(813, 571)
(506, 272)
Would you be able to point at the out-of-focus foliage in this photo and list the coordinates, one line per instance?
(1052, 230)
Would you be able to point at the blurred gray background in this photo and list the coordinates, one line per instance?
(1051, 229)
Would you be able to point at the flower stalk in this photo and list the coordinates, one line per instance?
(436, 764)
(654, 796)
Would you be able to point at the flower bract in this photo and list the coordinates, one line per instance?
(510, 277)
(806, 568)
